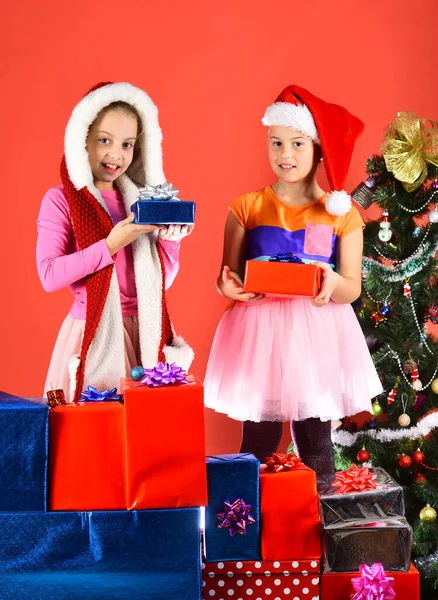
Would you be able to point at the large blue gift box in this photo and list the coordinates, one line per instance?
(232, 477)
(150, 555)
(23, 453)
(164, 212)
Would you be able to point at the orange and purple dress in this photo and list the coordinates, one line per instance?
(285, 359)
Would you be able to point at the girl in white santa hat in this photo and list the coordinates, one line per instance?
(117, 270)
(302, 360)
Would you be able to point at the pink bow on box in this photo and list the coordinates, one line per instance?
(355, 479)
(373, 584)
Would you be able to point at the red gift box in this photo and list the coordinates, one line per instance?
(298, 579)
(165, 445)
(87, 456)
(290, 514)
(338, 586)
(282, 279)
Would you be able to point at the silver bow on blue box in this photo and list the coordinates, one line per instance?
(159, 205)
(163, 191)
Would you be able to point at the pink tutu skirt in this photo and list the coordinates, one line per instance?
(286, 360)
(69, 343)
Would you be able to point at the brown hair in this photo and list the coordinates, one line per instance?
(127, 109)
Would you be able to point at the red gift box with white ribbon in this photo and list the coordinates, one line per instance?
(261, 580)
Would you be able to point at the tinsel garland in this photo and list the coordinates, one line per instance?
(416, 264)
(423, 428)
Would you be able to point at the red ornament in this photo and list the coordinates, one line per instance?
(420, 478)
(363, 456)
(405, 461)
(378, 318)
(407, 290)
(392, 394)
(418, 456)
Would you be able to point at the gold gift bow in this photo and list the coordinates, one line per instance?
(409, 144)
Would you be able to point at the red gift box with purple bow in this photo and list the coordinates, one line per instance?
(164, 440)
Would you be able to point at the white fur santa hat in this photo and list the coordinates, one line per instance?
(329, 125)
(101, 361)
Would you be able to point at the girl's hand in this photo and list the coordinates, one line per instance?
(175, 233)
(232, 287)
(125, 232)
(329, 283)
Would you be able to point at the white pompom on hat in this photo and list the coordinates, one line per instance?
(329, 125)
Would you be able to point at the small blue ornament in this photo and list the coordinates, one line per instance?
(416, 232)
(385, 310)
(372, 424)
(137, 373)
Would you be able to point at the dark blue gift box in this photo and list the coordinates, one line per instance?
(164, 212)
(151, 555)
(230, 477)
(23, 453)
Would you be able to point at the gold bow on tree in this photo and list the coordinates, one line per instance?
(409, 145)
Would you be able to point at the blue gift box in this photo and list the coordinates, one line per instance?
(23, 453)
(151, 555)
(229, 478)
(164, 212)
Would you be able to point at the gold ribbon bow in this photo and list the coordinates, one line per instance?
(409, 145)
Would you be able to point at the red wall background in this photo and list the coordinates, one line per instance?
(211, 67)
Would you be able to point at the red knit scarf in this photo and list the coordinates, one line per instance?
(91, 223)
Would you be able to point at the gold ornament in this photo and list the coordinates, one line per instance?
(409, 144)
(376, 409)
(404, 420)
(434, 386)
(428, 514)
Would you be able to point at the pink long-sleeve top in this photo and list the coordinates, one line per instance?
(60, 263)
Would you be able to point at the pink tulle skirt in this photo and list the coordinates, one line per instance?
(286, 360)
(69, 343)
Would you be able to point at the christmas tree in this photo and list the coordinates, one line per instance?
(397, 310)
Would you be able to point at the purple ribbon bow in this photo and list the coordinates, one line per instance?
(373, 584)
(164, 374)
(285, 257)
(235, 517)
(93, 395)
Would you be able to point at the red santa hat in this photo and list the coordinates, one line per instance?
(329, 125)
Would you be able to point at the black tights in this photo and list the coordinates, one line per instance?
(311, 438)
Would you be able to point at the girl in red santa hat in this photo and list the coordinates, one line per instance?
(299, 360)
(117, 270)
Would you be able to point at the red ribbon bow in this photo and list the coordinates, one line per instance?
(355, 479)
(282, 462)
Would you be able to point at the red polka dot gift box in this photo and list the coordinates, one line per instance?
(261, 580)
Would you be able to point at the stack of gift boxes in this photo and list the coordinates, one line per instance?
(364, 523)
(101, 499)
(278, 554)
(353, 538)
